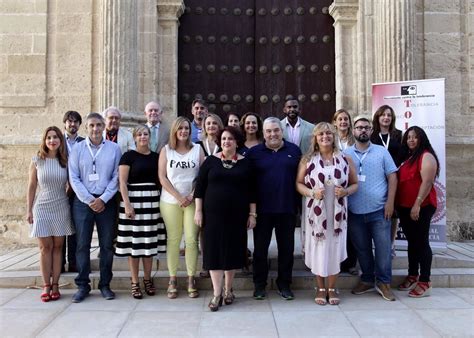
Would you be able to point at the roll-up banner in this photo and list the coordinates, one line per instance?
(421, 103)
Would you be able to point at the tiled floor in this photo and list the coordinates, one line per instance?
(448, 312)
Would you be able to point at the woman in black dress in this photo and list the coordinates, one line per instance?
(225, 209)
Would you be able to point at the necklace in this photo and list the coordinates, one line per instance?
(228, 164)
(327, 170)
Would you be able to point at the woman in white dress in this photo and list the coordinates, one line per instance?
(49, 214)
(325, 178)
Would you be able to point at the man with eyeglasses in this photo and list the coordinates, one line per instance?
(295, 129)
(199, 110)
(72, 122)
(370, 210)
(159, 131)
(114, 133)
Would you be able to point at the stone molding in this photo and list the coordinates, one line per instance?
(170, 9)
(345, 31)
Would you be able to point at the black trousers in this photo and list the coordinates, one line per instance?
(70, 242)
(351, 260)
(284, 225)
(417, 236)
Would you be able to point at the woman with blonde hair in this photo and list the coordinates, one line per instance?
(49, 214)
(139, 218)
(325, 178)
(179, 165)
(343, 124)
(211, 125)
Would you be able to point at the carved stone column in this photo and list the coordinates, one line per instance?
(344, 13)
(394, 40)
(169, 12)
(119, 59)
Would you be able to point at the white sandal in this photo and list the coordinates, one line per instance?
(333, 300)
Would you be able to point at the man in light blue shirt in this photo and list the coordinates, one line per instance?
(370, 210)
(93, 174)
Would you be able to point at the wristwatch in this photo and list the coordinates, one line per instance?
(254, 214)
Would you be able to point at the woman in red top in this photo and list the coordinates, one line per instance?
(416, 204)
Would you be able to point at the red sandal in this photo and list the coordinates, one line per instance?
(422, 289)
(55, 295)
(408, 284)
(46, 296)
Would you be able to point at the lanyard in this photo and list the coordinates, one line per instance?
(92, 154)
(208, 148)
(342, 145)
(360, 160)
(388, 140)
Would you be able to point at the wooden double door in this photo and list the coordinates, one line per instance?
(249, 55)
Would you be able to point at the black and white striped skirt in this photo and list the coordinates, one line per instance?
(145, 235)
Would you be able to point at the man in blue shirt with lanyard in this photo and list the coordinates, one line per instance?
(370, 210)
(93, 174)
(275, 163)
(72, 121)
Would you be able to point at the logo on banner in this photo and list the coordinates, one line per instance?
(408, 90)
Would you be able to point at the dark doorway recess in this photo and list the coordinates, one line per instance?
(249, 55)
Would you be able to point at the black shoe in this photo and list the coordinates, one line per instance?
(259, 294)
(80, 295)
(286, 294)
(107, 293)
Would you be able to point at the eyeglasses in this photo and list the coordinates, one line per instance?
(368, 128)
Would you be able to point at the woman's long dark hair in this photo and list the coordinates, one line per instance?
(423, 145)
(375, 120)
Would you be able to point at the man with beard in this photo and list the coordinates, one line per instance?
(114, 133)
(199, 111)
(72, 122)
(295, 129)
(370, 210)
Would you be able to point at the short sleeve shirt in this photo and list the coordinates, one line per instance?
(143, 168)
(374, 164)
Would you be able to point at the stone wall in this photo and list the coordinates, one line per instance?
(55, 56)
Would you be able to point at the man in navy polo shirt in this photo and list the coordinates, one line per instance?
(275, 163)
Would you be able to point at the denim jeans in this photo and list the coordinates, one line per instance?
(84, 219)
(365, 229)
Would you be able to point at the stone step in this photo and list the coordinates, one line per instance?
(398, 262)
(302, 279)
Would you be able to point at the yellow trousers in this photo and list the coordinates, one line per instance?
(176, 220)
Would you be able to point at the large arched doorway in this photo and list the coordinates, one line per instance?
(248, 55)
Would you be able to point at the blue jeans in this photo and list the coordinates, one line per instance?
(365, 229)
(84, 219)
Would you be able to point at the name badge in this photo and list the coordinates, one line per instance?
(361, 178)
(93, 177)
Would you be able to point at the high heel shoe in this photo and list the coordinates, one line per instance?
(46, 296)
(215, 303)
(172, 291)
(55, 295)
(229, 296)
(149, 287)
(192, 290)
(136, 291)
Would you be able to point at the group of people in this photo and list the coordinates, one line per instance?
(213, 182)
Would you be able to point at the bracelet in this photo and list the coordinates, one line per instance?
(254, 214)
(419, 198)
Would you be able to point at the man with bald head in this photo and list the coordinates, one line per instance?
(114, 133)
(159, 131)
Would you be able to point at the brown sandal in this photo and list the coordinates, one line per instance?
(192, 290)
(136, 291)
(149, 287)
